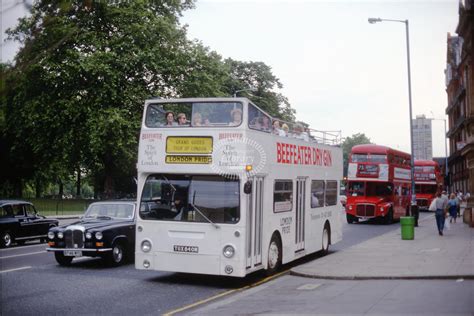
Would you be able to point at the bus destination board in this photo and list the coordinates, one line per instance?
(188, 145)
(202, 160)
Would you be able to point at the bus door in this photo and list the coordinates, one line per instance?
(254, 222)
(300, 213)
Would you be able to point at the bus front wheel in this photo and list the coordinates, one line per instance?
(274, 255)
(351, 218)
(389, 218)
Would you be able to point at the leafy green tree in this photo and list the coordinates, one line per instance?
(81, 78)
(348, 143)
(258, 77)
(74, 98)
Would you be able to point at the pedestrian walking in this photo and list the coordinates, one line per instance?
(453, 205)
(440, 214)
(459, 199)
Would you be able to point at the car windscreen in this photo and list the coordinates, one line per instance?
(112, 210)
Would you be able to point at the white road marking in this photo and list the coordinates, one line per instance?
(310, 286)
(11, 270)
(23, 254)
(23, 247)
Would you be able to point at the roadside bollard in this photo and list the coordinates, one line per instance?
(407, 224)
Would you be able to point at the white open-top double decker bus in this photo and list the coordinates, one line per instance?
(223, 191)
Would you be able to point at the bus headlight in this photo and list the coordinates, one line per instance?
(50, 235)
(228, 251)
(88, 235)
(146, 246)
(60, 235)
(98, 235)
(350, 207)
(381, 209)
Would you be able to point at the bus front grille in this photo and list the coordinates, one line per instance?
(366, 210)
(74, 238)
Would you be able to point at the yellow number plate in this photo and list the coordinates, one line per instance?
(189, 145)
(189, 159)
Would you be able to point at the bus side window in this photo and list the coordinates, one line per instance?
(317, 193)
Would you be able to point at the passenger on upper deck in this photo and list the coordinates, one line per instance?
(265, 124)
(170, 119)
(276, 128)
(285, 129)
(236, 116)
(197, 119)
(299, 133)
(182, 120)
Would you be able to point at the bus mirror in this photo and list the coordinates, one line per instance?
(248, 187)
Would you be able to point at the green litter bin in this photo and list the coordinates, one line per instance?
(408, 227)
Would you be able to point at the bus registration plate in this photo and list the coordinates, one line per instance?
(193, 249)
(189, 145)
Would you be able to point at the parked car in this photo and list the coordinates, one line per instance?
(106, 230)
(20, 222)
(342, 196)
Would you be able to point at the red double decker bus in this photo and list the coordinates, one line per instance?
(428, 182)
(379, 183)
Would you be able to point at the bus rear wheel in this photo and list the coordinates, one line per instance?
(326, 240)
(274, 255)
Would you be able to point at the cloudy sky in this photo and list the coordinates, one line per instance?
(338, 71)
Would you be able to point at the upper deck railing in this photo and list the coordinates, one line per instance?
(229, 113)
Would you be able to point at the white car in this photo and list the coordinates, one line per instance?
(343, 197)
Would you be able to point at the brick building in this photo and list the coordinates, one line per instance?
(460, 110)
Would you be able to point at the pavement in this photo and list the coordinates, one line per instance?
(427, 256)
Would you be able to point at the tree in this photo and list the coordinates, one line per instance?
(348, 143)
(74, 98)
(257, 76)
(81, 78)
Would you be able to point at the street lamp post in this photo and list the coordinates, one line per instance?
(247, 89)
(412, 160)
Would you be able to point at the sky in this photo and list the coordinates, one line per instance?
(338, 71)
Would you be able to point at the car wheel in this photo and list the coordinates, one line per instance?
(6, 240)
(326, 239)
(62, 259)
(274, 255)
(117, 256)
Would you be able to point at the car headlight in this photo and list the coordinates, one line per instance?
(60, 235)
(98, 235)
(88, 235)
(146, 246)
(228, 251)
(50, 235)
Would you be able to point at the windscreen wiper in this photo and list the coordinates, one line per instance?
(205, 217)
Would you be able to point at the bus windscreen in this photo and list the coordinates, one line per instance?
(191, 198)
